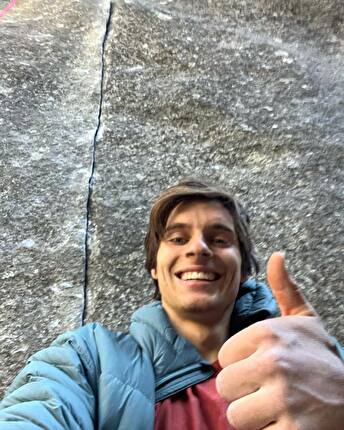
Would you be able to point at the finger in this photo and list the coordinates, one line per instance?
(243, 344)
(255, 411)
(288, 295)
(285, 422)
(280, 425)
(240, 379)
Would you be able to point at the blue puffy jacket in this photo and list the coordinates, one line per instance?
(93, 378)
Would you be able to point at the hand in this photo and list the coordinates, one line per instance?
(283, 373)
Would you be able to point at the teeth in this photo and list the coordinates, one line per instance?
(186, 276)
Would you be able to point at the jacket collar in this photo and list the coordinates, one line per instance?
(169, 351)
(177, 363)
(255, 302)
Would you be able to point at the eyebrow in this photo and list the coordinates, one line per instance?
(223, 227)
(216, 226)
(176, 226)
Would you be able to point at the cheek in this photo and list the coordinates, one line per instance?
(161, 263)
(233, 264)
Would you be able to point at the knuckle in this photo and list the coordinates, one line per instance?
(269, 333)
(231, 412)
(237, 418)
(223, 353)
(281, 395)
(274, 359)
(290, 424)
(221, 384)
(276, 363)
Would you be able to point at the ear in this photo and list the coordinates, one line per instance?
(154, 274)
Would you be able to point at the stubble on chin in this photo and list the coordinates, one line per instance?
(206, 309)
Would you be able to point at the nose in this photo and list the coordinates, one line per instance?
(198, 246)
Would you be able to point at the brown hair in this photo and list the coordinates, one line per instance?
(190, 189)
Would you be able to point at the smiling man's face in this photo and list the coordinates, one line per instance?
(198, 262)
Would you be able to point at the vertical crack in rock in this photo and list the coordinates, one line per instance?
(90, 181)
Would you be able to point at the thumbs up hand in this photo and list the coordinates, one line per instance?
(289, 297)
(283, 373)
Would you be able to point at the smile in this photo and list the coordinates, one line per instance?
(206, 276)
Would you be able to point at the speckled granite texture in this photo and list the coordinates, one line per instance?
(50, 80)
(249, 93)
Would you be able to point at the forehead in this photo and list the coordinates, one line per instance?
(200, 211)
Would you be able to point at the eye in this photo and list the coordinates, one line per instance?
(178, 240)
(221, 241)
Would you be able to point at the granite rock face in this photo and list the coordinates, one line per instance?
(248, 93)
(50, 76)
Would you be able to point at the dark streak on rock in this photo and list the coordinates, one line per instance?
(90, 181)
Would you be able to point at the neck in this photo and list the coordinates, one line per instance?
(207, 334)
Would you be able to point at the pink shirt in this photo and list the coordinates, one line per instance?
(196, 408)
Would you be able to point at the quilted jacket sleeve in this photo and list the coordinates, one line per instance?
(56, 390)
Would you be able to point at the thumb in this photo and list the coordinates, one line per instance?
(288, 295)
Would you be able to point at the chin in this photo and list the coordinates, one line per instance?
(205, 306)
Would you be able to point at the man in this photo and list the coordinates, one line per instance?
(281, 373)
